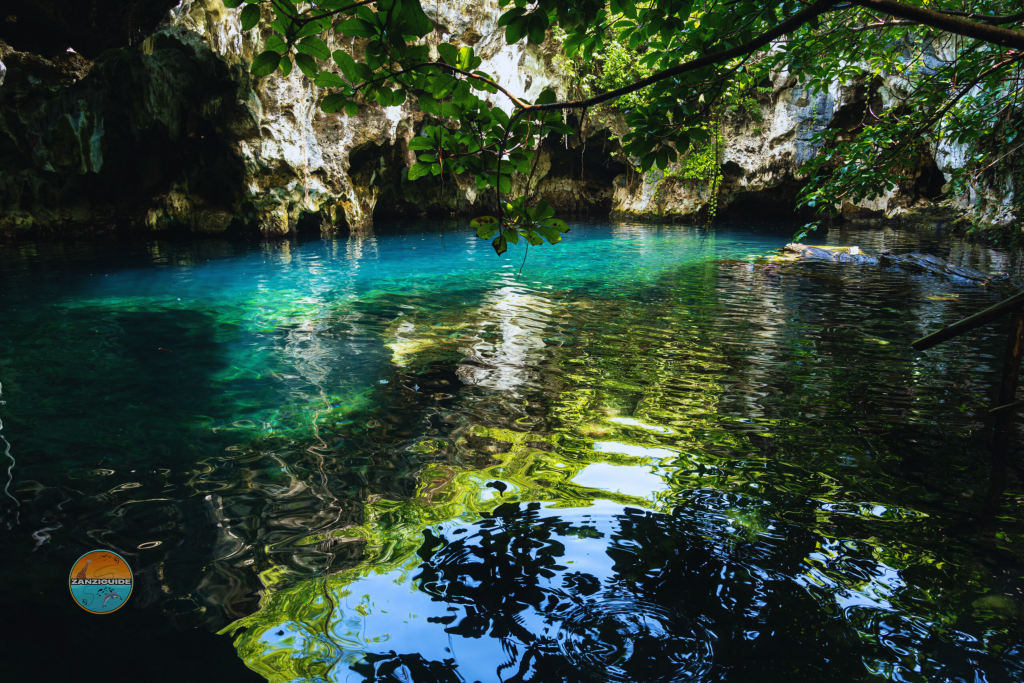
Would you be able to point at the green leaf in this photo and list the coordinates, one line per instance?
(462, 95)
(538, 27)
(512, 235)
(414, 21)
(306, 64)
(356, 28)
(557, 224)
(499, 115)
(332, 104)
(800, 234)
(515, 30)
(418, 170)
(346, 64)
(449, 53)
(376, 54)
(326, 79)
(561, 128)
(547, 96)
(429, 105)
(421, 143)
(250, 16)
(363, 72)
(369, 16)
(481, 85)
(485, 226)
(313, 46)
(282, 25)
(533, 238)
(662, 158)
(277, 44)
(500, 244)
(465, 58)
(543, 210)
(550, 234)
(286, 8)
(313, 27)
(231, 4)
(510, 15)
(265, 63)
(571, 45)
(450, 109)
(286, 65)
(443, 86)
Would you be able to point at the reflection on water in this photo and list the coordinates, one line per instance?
(647, 459)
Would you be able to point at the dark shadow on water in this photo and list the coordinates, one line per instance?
(142, 457)
(108, 473)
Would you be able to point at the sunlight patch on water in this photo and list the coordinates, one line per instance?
(631, 481)
(633, 422)
(633, 449)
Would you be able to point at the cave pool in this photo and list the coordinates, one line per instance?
(643, 454)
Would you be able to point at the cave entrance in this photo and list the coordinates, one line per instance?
(778, 203)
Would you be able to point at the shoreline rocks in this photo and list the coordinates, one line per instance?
(916, 262)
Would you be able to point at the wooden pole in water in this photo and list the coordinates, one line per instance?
(967, 324)
(1003, 425)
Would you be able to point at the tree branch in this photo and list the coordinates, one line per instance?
(986, 32)
(794, 22)
(988, 19)
(945, 22)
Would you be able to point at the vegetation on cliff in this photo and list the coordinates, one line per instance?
(955, 76)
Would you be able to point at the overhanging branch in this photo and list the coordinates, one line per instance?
(961, 26)
(986, 32)
(791, 24)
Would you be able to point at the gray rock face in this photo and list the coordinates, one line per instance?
(176, 134)
(763, 153)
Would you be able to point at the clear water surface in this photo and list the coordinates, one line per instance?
(652, 456)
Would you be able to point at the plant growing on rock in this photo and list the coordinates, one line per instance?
(959, 72)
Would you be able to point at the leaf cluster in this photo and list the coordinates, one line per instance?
(532, 224)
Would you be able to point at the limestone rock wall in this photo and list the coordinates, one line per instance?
(174, 133)
(764, 150)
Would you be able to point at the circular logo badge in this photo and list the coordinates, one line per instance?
(101, 581)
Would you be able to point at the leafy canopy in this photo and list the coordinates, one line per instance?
(956, 69)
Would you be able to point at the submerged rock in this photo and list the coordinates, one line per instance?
(833, 254)
(916, 262)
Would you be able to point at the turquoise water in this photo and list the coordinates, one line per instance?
(652, 455)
